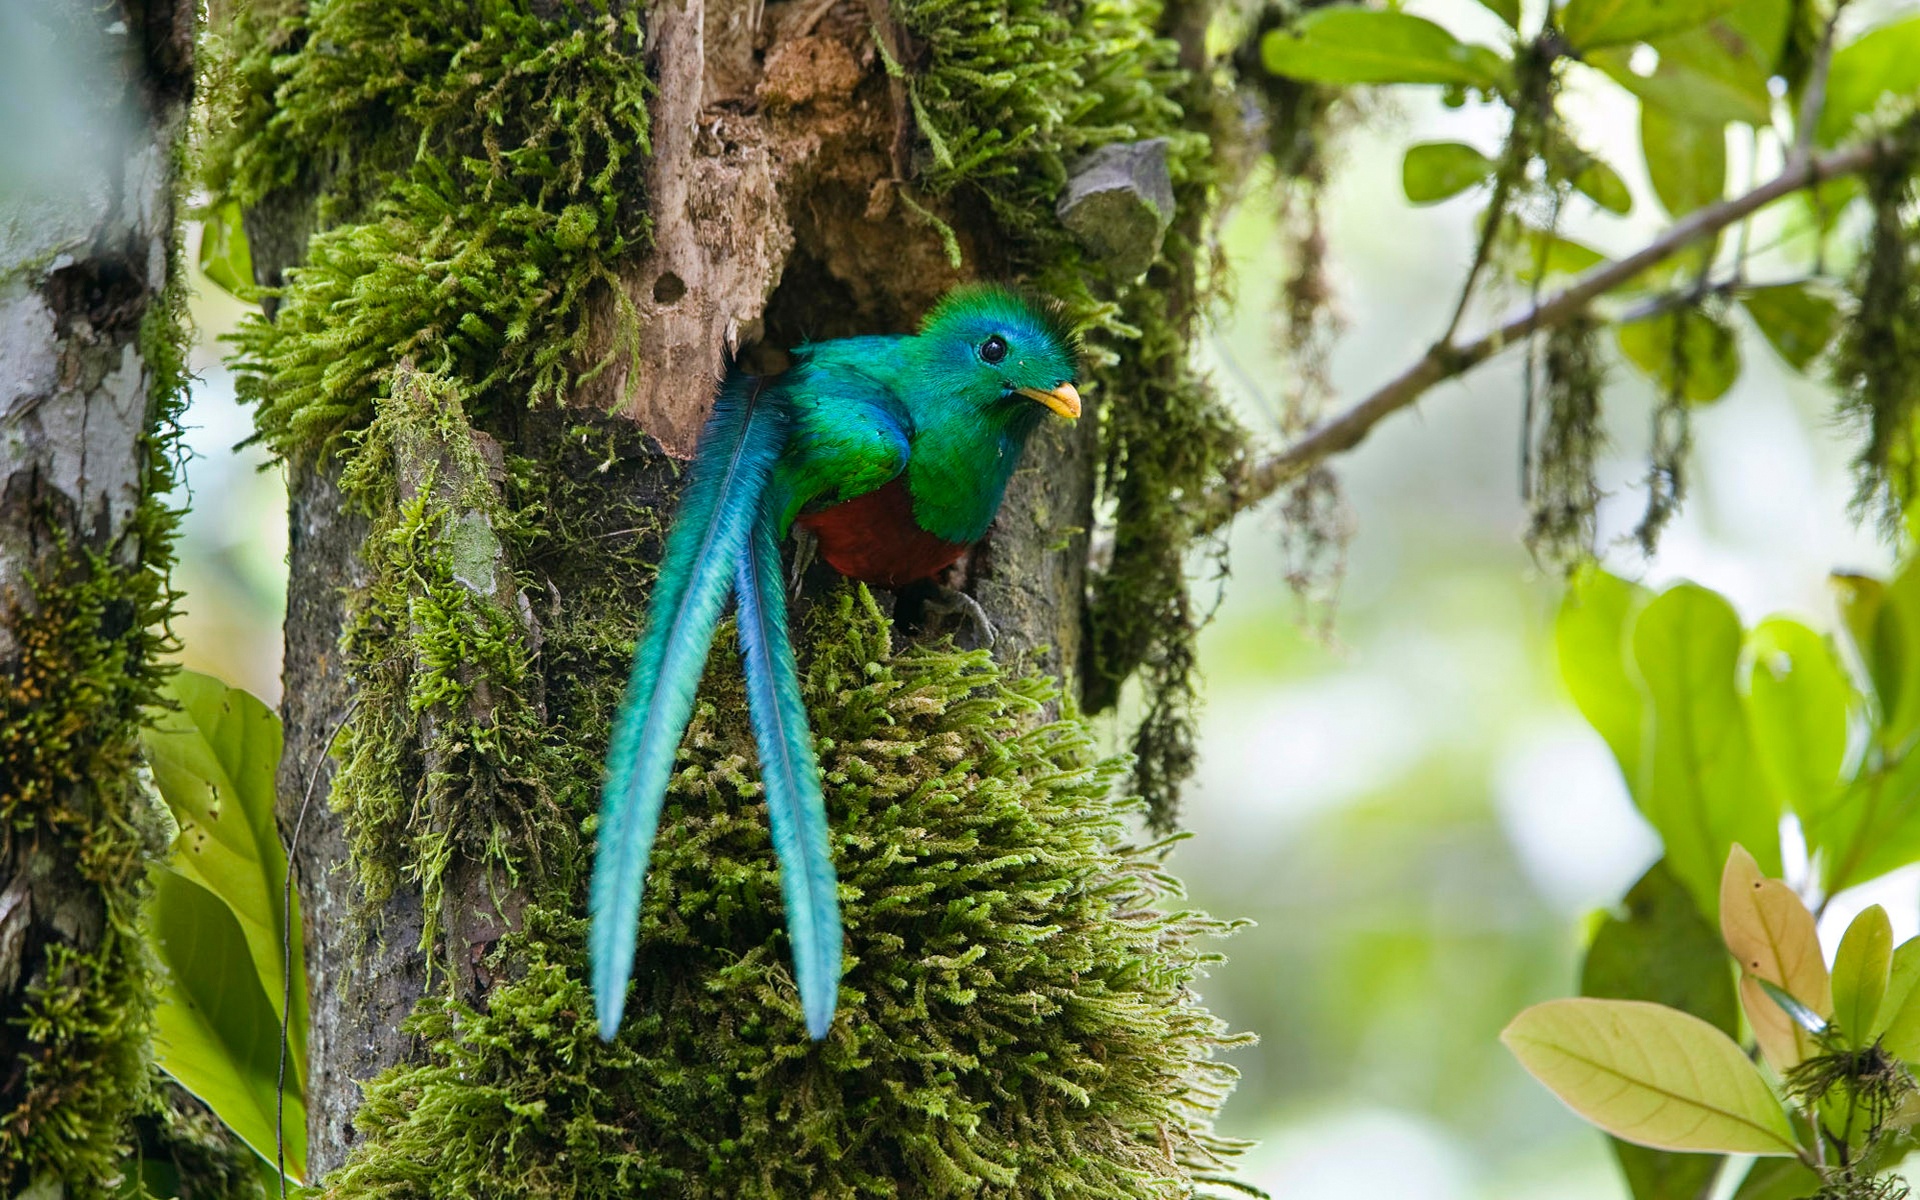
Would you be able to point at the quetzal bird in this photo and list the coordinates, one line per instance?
(895, 452)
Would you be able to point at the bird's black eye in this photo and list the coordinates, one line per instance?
(994, 349)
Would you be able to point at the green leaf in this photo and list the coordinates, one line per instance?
(1903, 974)
(1602, 184)
(1778, 1179)
(1538, 252)
(1702, 786)
(1802, 1016)
(1433, 171)
(224, 254)
(1686, 160)
(1590, 635)
(1704, 364)
(1797, 319)
(215, 1031)
(1798, 700)
(1506, 10)
(1898, 1025)
(1715, 73)
(1666, 1174)
(1650, 1074)
(213, 757)
(1896, 649)
(1883, 64)
(1861, 970)
(1659, 948)
(1755, 30)
(1873, 828)
(1691, 93)
(1348, 45)
(1591, 24)
(1810, 216)
(1860, 598)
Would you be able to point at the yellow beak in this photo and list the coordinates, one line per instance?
(1063, 399)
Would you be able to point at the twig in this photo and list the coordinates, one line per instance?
(1483, 248)
(1653, 306)
(1446, 360)
(1536, 88)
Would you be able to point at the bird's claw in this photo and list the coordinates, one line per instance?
(805, 548)
(952, 602)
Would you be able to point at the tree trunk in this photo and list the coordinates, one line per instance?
(469, 568)
(92, 374)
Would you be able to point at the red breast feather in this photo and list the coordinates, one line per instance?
(874, 538)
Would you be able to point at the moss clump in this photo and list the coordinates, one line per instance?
(483, 164)
(1008, 91)
(88, 631)
(1303, 122)
(1169, 438)
(1561, 491)
(1876, 364)
(1016, 1021)
(445, 758)
(1007, 94)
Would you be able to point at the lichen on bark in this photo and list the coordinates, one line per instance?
(93, 336)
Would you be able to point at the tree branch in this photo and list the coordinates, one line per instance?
(1447, 360)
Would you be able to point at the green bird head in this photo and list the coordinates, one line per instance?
(1001, 353)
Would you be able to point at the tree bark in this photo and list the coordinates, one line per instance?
(773, 222)
(90, 376)
(776, 214)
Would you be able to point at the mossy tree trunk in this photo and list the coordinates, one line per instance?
(513, 246)
(91, 379)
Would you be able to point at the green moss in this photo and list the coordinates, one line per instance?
(1561, 491)
(1017, 1019)
(1692, 328)
(478, 181)
(1168, 438)
(1876, 363)
(1009, 93)
(444, 757)
(88, 638)
(1020, 1020)
(482, 168)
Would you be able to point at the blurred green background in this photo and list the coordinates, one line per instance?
(1408, 808)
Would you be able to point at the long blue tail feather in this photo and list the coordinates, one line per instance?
(795, 808)
(718, 507)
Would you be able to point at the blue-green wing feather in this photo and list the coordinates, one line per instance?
(718, 509)
(795, 808)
